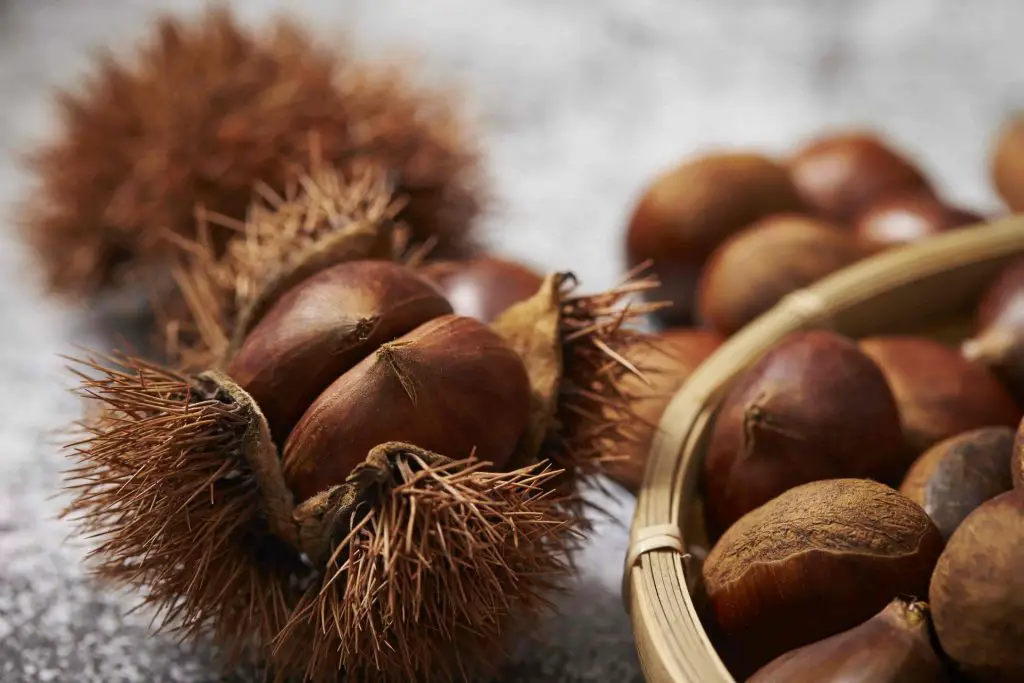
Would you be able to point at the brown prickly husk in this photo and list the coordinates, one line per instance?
(327, 217)
(441, 562)
(179, 481)
(206, 108)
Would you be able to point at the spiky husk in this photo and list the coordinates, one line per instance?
(446, 562)
(202, 112)
(164, 485)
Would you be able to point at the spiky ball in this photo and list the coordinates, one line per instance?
(206, 110)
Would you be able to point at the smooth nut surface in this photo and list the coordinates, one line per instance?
(1008, 162)
(483, 287)
(908, 217)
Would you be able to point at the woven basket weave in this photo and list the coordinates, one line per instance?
(927, 289)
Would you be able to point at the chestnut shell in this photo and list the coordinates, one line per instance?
(451, 386)
(908, 217)
(1007, 167)
(940, 393)
(322, 327)
(817, 560)
(689, 210)
(998, 340)
(813, 407)
(483, 287)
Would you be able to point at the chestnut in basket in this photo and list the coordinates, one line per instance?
(813, 407)
(956, 475)
(839, 175)
(1017, 462)
(483, 287)
(894, 646)
(667, 359)
(817, 560)
(689, 210)
(752, 270)
(907, 217)
(1008, 162)
(977, 592)
(939, 392)
(998, 339)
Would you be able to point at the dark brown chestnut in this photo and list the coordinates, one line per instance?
(907, 217)
(894, 646)
(977, 592)
(998, 338)
(430, 388)
(666, 359)
(1007, 166)
(483, 287)
(689, 210)
(813, 407)
(939, 392)
(1017, 461)
(324, 326)
(817, 560)
(956, 475)
(839, 175)
(752, 270)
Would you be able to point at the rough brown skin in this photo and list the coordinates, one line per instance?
(907, 217)
(323, 327)
(977, 592)
(817, 560)
(666, 361)
(1007, 166)
(752, 270)
(430, 388)
(838, 176)
(893, 646)
(956, 475)
(814, 407)
(998, 339)
(688, 211)
(1017, 461)
(939, 392)
(483, 287)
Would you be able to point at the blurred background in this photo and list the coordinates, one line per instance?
(580, 103)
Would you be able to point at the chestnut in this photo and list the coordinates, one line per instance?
(1017, 461)
(322, 327)
(977, 592)
(666, 360)
(839, 175)
(939, 392)
(1007, 165)
(813, 407)
(956, 475)
(894, 646)
(429, 387)
(817, 560)
(689, 210)
(483, 287)
(752, 270)
(998, 338)
(907, 217)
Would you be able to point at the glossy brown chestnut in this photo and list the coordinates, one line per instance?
(817, 560)
(813, 407)
(839, 175)
(908, 217)
(1008, 162)
(689, 210)
(977, 592)
(956, 475)
(752, 270)
(1017, 461)
(998, 339)
(324, 326)
(666, 360)
(894, 646)
(429, 388)
(939, 392)
(483, 287)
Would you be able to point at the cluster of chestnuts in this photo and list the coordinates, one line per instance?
(863, 502)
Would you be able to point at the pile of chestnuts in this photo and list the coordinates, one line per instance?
(864, 508)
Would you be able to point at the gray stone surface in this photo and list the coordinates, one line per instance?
(580, 102)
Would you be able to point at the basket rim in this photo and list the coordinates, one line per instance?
(671, 641)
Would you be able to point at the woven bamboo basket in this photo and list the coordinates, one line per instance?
(927, 289)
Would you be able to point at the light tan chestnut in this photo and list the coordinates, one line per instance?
(451, 386)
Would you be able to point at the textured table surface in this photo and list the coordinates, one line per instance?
(581, 101)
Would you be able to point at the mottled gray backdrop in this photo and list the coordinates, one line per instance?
(580, 101)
